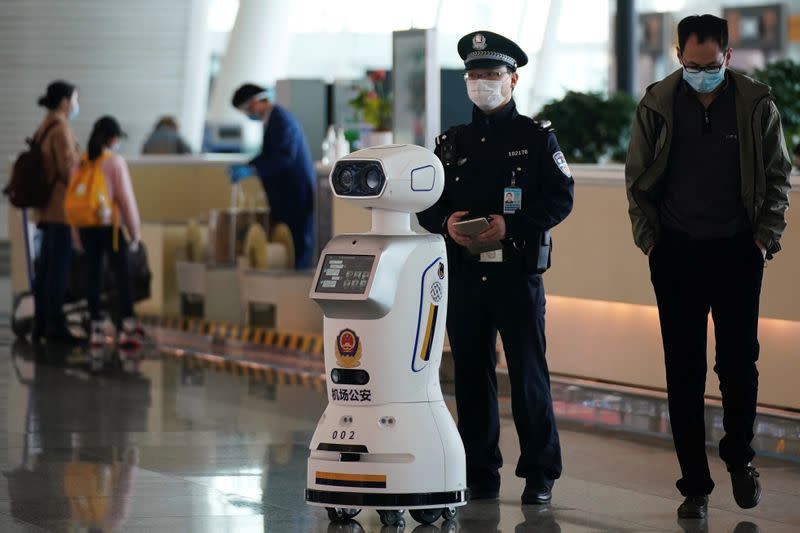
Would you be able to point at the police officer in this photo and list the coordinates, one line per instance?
(507, 168)
(284, 166)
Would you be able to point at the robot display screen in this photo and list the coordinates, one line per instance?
(348, 274)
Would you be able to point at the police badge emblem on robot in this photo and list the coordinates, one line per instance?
(348, 349)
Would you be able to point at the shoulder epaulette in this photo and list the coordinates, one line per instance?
(544, 126)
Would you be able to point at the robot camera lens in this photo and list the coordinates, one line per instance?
(335, 377)
(345, 181)
(373, 179)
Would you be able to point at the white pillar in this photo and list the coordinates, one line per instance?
(258, 52)
(198, 61)
(546, 62)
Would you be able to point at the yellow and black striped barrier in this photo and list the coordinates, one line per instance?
(309, 343)
(252, 370)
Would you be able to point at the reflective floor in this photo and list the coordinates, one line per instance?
(137, 442)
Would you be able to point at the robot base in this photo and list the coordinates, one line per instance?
(424, 508)
(387, 469)
(369, 500)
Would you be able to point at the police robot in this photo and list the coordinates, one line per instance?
(386, 441)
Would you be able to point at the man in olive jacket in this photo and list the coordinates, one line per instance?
(707, 177)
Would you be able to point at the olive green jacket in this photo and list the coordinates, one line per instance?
(765, 163)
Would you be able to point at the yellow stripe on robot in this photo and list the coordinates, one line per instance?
(428, 330)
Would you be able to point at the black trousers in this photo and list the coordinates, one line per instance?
(97, 243)
(690, 279)
(50, 281)
(484, 299)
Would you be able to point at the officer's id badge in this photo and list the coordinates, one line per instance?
(512, 200)
(561, 163)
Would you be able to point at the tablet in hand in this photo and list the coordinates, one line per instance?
(472, 227)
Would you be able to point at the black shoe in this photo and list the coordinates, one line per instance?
(64, 338)
(536, 494)
(478, 492)
(746, 527)
(693, 508)
(746, 488)
(38, 331)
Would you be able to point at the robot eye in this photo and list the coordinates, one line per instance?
(373, 179)
(346, 180)
(358, 179)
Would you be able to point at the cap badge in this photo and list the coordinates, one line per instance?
(478, 42)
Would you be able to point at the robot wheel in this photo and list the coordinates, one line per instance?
(339, 514)
(449, 514)
(392, 518)
(429, 516)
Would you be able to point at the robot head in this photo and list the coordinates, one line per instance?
(405, 178)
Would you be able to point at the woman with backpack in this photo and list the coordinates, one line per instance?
(101, 199)
(60, 156)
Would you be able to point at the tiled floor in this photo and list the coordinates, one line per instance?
(157, 445)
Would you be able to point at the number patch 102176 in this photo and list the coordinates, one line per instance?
(344, 435)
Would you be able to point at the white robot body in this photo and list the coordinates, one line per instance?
(386, 440)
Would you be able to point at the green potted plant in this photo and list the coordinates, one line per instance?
(374, 105)
(784, 78)
(590, 127)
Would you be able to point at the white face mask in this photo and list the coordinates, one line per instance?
(486, 94)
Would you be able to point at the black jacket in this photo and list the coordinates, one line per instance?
(480, 165)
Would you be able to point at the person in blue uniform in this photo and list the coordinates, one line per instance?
(284, 167)
(509, 169)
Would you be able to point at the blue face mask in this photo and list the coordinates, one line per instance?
(704, 82)
(73, 114)
(254, 116)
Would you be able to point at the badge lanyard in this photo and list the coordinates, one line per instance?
(512, 197)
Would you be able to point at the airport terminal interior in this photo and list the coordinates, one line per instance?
(289, 362)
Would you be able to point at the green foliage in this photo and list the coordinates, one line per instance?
(375, 104)
(590, 127)
(784, 78)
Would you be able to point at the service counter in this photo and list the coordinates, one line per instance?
(174, 189)
(601, 318)
(602, 322)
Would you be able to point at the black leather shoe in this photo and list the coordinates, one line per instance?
(746, 527)
(477, 492)
(64, 338)
(693, 507)
(37, 334)
(746, 488)
(536, 494)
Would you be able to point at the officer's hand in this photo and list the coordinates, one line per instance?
(460, 238)
(496, 230)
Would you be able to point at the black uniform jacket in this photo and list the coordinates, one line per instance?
(488, 155)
